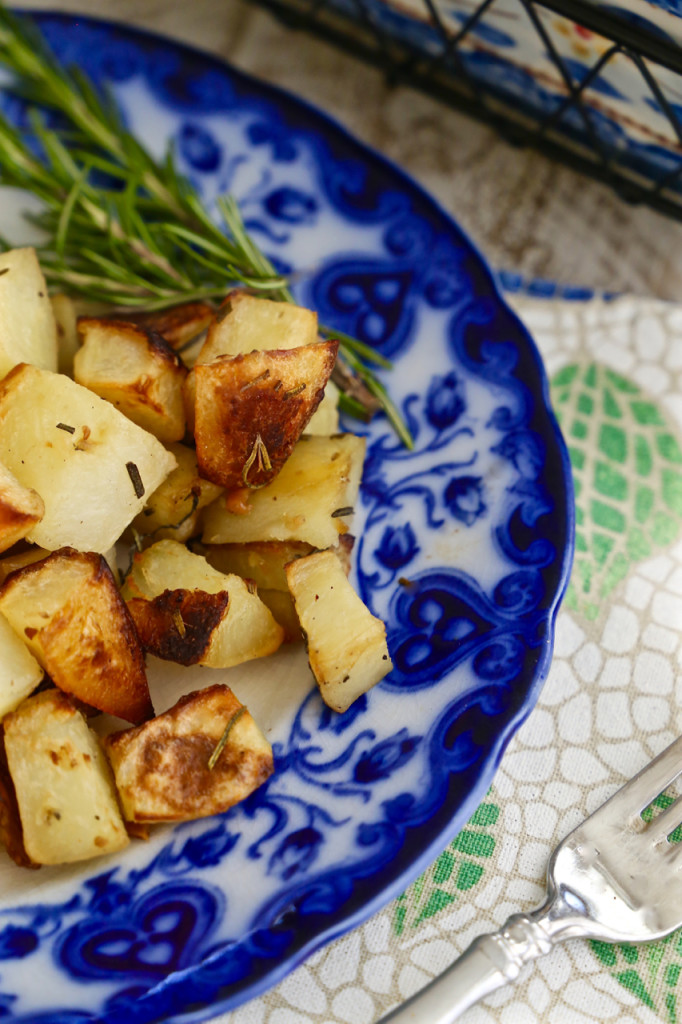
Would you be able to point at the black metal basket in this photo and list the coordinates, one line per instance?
(571, 131)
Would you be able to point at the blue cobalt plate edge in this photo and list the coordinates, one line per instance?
(464, 548)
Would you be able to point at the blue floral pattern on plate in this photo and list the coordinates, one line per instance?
(464, 548)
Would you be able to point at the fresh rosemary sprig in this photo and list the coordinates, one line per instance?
(142, 239)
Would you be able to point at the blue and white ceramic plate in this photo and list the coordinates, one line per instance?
(464, 547)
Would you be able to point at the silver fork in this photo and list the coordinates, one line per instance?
(613, 878)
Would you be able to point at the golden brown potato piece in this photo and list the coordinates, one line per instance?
(246, 323)
(19, 558)
(20, 673)
(325, 420)
(281, 605)
(186, 611)
(250, 410)
(172, 511)
(311, 500)
(70, 613)
(183, 327)
(28, 332)
(260, 561)
(162, 768)
(20, 509)
(135, 370)
(346, 644)
(68, 807)
(11, 832)
(93, 468)
(264, 561)
(68, 343)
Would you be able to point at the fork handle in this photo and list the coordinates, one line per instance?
(490, 962)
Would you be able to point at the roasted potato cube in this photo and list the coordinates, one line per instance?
(93, 468)
(281, 605)
(28, 332)
(346, 644)
(162, 769)
(11, 832)
(264, 561)
(186, 611)
(325, 420)
(135, 370)
(20, 673)
(310, 500)
(18, 559)
(69, 611)
(20, 509)
(245, 323)
(68, 342)
(260, 561)
(183, 327)
(250, 410)
(66, 799)
(172, 510)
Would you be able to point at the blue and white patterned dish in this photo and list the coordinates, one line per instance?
(464, 547)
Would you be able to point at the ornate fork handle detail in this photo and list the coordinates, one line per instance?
(524, 937)
(614, 878)
(490, 962)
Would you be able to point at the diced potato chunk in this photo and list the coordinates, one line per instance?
(172, 511)
(11, 832)
(346, 644)
(20, 509)
(162, 768)
(183, 327)
(93, 468)
(135, 370)
(75, 622)
(28, 332)
(250, 410)
(281, 605)
(246, 323)
(20, 673)
(20, 559)
(310, 500)
(325, 420)
(260, 561)
(264, 561)
(186, 611)
(68, 343)
(67, 803)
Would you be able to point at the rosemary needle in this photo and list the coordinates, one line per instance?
(220, 745)
(143, 239)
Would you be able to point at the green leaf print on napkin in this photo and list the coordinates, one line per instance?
(627, 474)
(458, 869)
(651, 973)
